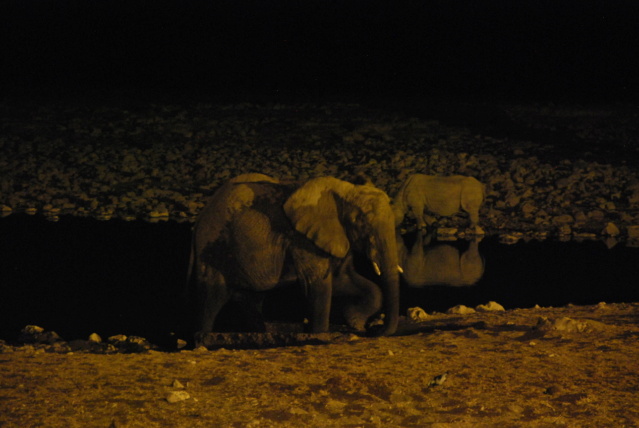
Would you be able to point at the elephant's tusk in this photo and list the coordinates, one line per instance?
(399, 269)
(377, 271)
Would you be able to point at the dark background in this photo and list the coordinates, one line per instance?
(263, 50)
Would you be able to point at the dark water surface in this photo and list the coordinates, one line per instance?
(79, 276)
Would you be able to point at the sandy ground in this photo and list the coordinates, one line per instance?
(573, 366)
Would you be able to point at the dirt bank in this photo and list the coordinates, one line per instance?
(572, 366)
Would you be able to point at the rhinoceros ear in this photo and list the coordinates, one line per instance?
(314, 212)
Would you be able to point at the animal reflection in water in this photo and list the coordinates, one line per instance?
(427, 263)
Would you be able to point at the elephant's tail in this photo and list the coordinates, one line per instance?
(189, 275)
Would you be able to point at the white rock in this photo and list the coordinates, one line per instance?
(460, 309)
(95, 338)
(177, 396)
(117, 338)
(489, 307)
(417, 314)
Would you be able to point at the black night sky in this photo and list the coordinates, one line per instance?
(312, 50)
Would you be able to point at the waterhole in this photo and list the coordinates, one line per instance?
(77, 276)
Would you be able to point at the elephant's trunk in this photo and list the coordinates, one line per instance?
(389, 267)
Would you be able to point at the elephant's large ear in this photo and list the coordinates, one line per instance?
(314, 212)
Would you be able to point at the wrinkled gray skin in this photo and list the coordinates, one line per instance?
(440, 264)
(259, 235)
(442, 196)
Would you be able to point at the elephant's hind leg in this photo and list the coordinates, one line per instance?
(214, 294)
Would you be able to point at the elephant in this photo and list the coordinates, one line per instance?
(440, 195)
(258, 235)
(440, 264)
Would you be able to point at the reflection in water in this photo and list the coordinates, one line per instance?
(428, 263)
(80, 276)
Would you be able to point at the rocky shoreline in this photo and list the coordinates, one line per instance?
(160, 162)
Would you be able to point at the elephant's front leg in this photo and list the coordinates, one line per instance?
(314, 275)
(418, 208)
(320, 293)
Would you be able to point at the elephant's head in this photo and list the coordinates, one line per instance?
(340, 217)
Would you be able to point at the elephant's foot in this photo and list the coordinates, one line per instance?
(356, 320)
(199, 339)
(376, 327)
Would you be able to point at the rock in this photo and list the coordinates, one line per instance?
(563, 219)
(32, 330)
(59, 348)
(417, 314)
(608, 206)
(610, 242)
(335, 406)
(438, 380)
(490, 307)
(580, 217)
(136, 344)
(177, 396)
(610, 230)
(177, 384)
(528, 208)
(95, 338)
(564, 230)
(633, 232)
(460, 309)
(117, 338)
(512, 200)
(567, 325)
(581, 236)
(509, 238)
(36, 334)
(447, 231)
(478, 231)
(4, 348)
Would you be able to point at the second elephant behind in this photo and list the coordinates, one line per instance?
(439, 195)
